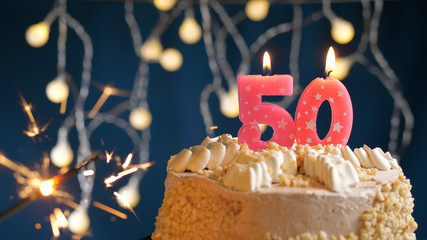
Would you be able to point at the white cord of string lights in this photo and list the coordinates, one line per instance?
(392, 84)
(384, 73)
(84, 149)
(138, 96)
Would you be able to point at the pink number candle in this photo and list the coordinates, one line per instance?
(318, 91)
(253, 111)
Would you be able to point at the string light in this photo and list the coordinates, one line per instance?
(342, 31)
(171, 60)
(151, 49)
(229, 103)
(257, 10)
(37, 35)
(190, 31)
(61, 154)
(342, 68)
(140, 118)
(164, 5)
(129, 197)
(78, 222)
(57, 90)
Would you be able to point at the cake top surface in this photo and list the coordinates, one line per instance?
(333, 167)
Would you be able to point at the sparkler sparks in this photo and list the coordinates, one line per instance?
(109, 210)
(106, 93)
(130, 169)
(33, 128)
(127, 161)
(125, 203)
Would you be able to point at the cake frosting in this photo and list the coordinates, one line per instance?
(222, 190)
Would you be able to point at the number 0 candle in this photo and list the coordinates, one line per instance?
(318, 91)
(253, 111)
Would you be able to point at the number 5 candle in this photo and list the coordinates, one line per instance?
(318, 91)
(253, 111)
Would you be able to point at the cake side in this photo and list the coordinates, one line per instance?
(220, 190)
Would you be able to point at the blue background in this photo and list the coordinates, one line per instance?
(174, 97)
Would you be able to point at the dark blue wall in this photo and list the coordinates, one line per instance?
(174, 97)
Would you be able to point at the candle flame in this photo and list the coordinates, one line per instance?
(266, 63)
(330, 61)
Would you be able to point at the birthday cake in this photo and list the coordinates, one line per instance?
(222, 190)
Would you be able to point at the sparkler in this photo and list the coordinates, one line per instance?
(46, 187)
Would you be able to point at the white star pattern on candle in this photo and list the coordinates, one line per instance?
(345, 113)
(282, 124)
(282, 90)
(311, 125)
(322, 87)
(291, 136)
(254, 122)
(337, 127)
(329, 139)
(331, 100)
(248, 88)
(259, 95)
(256, 108)
(344, 141)
(254, 140)
(318, 96)
(314, 108)
(308, 140)
(266, 116)
(299, 129)
(340, 94)
(304, 102)
(262, 85)
(299, 115)
(246, 103)
(249, 113)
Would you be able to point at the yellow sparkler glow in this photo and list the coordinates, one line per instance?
(109, 210)
(60, 218)
(47, 187)
(127, 172)
(109, 156)
(33, 129)
(111, 179)
(127, 161)
(54, 225)
(89, 172)
(104, 96)
(143, 166)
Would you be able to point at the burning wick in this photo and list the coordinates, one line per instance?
(266, 65)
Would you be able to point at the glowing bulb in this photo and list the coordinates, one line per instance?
(61, 155)
(190, 31)
(151, 49)
(229, 103)
(140, 118)
(164, 5)
(342, 68)
(257, 10)
(342, 31)
(57, 90)
(78, 222)
(129, 197)
(37, 34)
(171, 60)
(47, 187)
